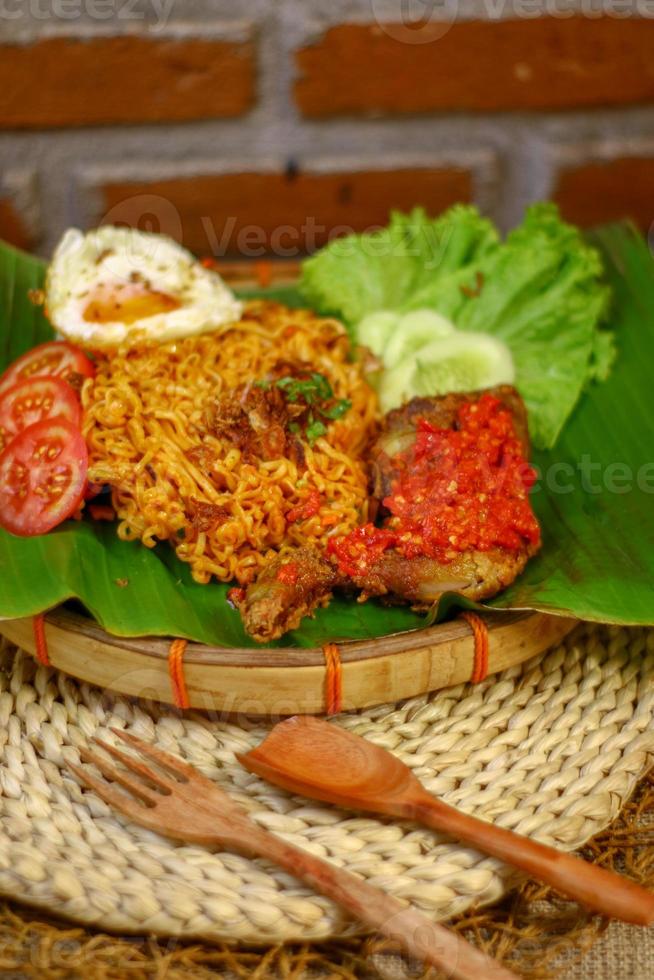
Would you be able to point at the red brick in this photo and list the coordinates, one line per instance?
(270, 203)
(12, 226)
(544, 63)
(608, 191)
(75, 82)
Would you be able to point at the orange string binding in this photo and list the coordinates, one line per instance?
(176, 671)
(333, 679)
(40, 642)
(480, 634)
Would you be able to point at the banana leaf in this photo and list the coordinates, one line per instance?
(594, 501)
(595, 495)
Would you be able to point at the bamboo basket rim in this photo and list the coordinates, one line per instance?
(350, 650)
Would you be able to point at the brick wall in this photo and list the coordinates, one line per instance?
(259, 127)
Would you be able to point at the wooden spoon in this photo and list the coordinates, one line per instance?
(311, 757)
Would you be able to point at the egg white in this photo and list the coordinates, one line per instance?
(111, 257)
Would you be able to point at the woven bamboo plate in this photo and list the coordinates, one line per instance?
(287, 680)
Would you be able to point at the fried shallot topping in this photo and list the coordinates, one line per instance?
(268, 418)
(256, 421)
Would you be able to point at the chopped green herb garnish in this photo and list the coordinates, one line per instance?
(314, 430)
(337, 410)
(316, 392)
(312, 389)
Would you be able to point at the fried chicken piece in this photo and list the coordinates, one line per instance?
(398, 432)
(420, 581)
(288, 588)
(378, 561)
(475, 574)
(272, 607)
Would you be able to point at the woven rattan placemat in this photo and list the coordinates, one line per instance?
(533, 930)
(536, 932)
(552, 748)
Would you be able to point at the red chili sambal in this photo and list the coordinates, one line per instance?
(309, 508)
(458, 489)
(359, 550)
(288, 573)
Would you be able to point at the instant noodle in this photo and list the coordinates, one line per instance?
(154, 422)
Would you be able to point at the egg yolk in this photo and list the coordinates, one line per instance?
(126, 303)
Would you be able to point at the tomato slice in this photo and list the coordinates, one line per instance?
(42, 477)
(56, 358)
(35, 399)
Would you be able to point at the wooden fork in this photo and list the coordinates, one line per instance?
(176, 800)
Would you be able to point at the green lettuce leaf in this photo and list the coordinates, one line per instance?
(383, 270)
(602, 356)
(543, 297)
(540, 292)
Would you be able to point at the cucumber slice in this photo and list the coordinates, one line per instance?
(464, 361)
(415, 330)
(395, 385)
(375, 329)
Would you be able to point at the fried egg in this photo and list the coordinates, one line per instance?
(118, 286)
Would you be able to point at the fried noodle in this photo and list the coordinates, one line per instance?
(225, 510)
